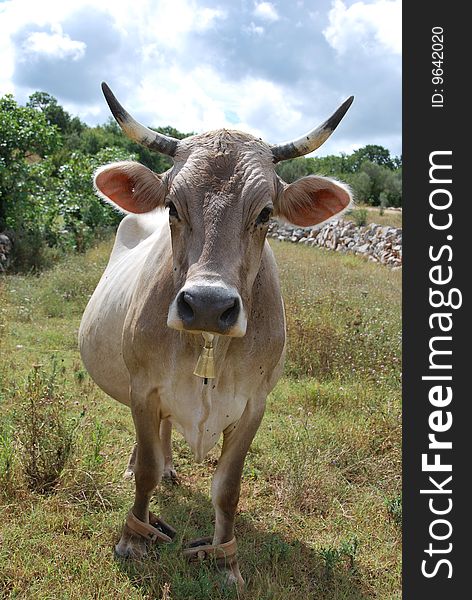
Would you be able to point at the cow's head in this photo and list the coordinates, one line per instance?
(220, 193)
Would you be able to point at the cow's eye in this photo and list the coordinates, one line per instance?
(172, 210)
(264, 215)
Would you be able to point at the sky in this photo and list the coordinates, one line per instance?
(274, 69)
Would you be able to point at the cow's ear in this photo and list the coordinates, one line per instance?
(129, 186)
(312, 200)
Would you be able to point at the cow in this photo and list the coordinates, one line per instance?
(186, 326)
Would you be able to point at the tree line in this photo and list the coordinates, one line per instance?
(47, 159)
(373, 174)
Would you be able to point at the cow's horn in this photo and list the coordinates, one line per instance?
(313, 139)
(137, 132)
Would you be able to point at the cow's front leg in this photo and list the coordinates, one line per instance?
(226, 482)
(148, 468)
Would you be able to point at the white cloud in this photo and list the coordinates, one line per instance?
(167, 21)
(55, 44)
(15, 14)
(368, 26)
(208, 17)
(204, 64)
(201, 100)
(266, 11)
(254, 29)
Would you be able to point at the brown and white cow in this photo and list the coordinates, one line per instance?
(190, 258)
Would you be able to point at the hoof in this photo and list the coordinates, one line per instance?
(231, 576)
(171, 475)
(136, 536)
(223, 555)
(128, 474)
(131, 546)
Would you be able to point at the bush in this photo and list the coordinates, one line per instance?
(45, 431)
(60, 212)
(359, 216)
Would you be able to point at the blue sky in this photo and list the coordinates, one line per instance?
(275, 69)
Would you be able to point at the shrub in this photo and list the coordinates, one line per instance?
(359, 216)
(46, 432)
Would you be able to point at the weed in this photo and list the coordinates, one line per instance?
(359, 216)
(84, 482)
(348, 548)
(46, 432)
(80, 375)
(331, 558)
(7, 455)
(394, 509)
(383, 203)
(277, 549)
(334, 557)
(94, 458)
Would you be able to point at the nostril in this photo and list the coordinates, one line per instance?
(186, 312)
(230, 315)
(208, 308)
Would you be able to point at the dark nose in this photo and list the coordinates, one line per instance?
(207, 308)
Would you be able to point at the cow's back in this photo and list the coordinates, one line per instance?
(101, 328)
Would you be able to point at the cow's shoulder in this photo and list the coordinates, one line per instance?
(135, 230)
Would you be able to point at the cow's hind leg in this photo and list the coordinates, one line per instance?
(166, 441)
(129, 471)
(148, 467)
(226, 482)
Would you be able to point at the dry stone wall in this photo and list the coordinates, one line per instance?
(5, 251)
(378, 243)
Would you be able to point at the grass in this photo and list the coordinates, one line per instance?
(320, 509)
(375, 214)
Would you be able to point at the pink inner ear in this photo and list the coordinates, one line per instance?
(118, 186)
(312, 200)
(324, 205)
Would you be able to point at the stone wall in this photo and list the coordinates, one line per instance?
(5, 251)
(378, 243)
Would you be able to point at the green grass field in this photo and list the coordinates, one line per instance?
(320, 508)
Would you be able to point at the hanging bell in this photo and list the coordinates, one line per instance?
(205, 367)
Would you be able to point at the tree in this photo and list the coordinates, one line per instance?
(291, 170)
(361, 185)
(82, 213)
(26, 136)
(55, 113)
(393, 188)
(373, 153)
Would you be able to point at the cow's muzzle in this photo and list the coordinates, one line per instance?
(209, 308)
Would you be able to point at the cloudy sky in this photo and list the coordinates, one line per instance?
(275, 69)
